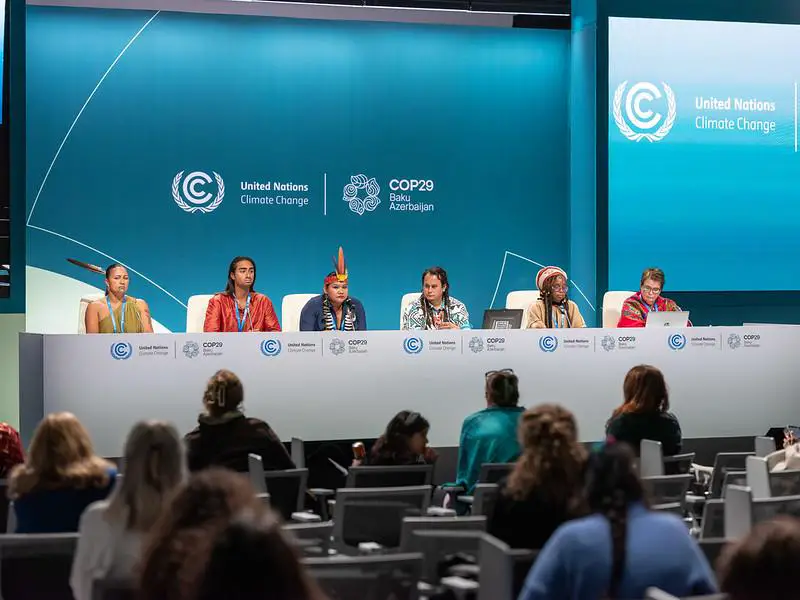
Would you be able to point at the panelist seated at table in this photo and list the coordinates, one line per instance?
(648, 299)
(435, 308)
(552, 309)
(334, 309)
(240, 308)
(117, 312)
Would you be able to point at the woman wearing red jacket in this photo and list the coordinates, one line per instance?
(240, 308)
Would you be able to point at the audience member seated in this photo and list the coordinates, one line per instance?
(789, 455)
(623, 548)
(405, 442)
(176, 554)
(60, 478)
(644, 415)
(253, 560)
(111, 531)
(490, 435)
(11, 451)
(545, 489)
(761, 566)
(225, 436)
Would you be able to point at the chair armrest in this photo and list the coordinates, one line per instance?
(466, 499)
(322, 495)
(306, 517)
(454, 489)
(438, 511)
(460, 587)
(465, 570)
(322, 492)
(369, 548)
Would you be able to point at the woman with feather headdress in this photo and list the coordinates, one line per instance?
(334, 309)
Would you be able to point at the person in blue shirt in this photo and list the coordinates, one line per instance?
(60, 478)
(623, 548)
(334, 309)
(490, 435)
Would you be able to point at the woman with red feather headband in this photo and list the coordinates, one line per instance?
(334, 309)
(552, 309)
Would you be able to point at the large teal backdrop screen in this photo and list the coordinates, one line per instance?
(173, 142)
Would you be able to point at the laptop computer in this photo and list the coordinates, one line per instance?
(667, 319)
(506, 318)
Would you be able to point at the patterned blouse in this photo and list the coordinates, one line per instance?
(414, 317)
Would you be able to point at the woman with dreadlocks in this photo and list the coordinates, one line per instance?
(623, 548)
(334, 309)
(552, 309)
(435, 308)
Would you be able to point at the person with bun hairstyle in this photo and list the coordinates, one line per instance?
(224, 436)
(623, 548)
(490, 435)
(405, 442)
(545, 489)
(117, 312)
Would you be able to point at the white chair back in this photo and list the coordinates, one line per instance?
(651, 459)
(612, 306)
(85, 302)
(405, 301)
(764, 446)
(196, 312)
(291, 307)
(522, 299)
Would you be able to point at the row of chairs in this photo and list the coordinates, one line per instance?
(292, 305)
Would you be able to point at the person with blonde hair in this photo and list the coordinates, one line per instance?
(545, 489)
(111, 531)
(224, 436)
(60, 478)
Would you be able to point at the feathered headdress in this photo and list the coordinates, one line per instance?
(339, 269)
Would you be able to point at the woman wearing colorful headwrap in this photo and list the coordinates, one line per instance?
(334, 309)
(552, 309)
(636, 308)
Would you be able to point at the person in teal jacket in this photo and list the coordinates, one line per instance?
(490, 435)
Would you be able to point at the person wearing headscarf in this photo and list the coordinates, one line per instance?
(334, 309)
(552, 309)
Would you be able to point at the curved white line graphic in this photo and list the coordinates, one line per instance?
(80, 112)
(109, 257)
(503, 268)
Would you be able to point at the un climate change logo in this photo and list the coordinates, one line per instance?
(361, 194)
(413, 345)
(270, 347)
(548, 343)
(121, 351)
(676, 341)
(194, 191)
(651, 126)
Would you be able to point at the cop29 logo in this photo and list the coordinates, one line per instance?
(192, 193)
(270, 348)
(413, 345)
(639, 104)
(548, 343)
(361, 194)
(121, 350)
(676, 341)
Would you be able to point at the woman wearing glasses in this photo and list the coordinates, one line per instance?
(648, 299)
(553, 309)
(490, 435)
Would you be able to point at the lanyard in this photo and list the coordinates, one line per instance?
(344, 318)
(646, 308)
(241, 321)
(556, 323)
(113, 318)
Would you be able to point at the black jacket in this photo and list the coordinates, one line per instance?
(226, 441)
(632, 428)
